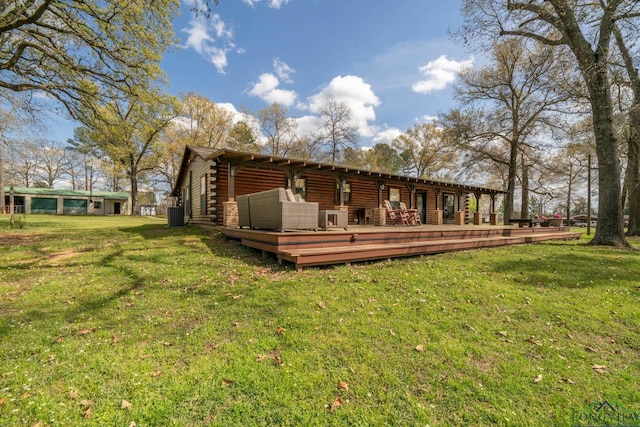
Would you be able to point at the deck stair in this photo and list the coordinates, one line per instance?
(305, 249)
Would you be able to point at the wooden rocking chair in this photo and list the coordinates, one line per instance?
(412, 214)
(396, 216)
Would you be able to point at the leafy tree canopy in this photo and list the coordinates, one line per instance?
(74, 49)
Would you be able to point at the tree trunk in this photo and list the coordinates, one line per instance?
(633, 172)
(134, 193)
(632, 178)
(569, 191)
(11, 207)
(1, 182)
(511, 182)
(525, 190)
(610, 230)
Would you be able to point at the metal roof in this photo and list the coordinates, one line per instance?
(112, 195)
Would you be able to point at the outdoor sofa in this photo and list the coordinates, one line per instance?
(244, 217)
(277, 209)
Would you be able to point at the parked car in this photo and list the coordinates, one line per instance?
(594, 223)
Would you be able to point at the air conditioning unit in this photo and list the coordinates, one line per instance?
(176, 216)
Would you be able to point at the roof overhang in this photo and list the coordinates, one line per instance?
(267, 161)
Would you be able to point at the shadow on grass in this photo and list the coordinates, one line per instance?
(72, 312)
(126, 273)
(570, 265)
(218, 244)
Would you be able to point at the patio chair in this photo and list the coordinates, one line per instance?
(396, 216)
(412, 214)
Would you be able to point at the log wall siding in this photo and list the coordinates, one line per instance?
(198, 168)
(364, 194)
(321, 189)
(247, 180)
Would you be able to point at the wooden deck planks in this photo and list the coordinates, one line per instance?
(305, 249)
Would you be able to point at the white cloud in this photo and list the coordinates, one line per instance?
(198, 36)
(439, 74)
(274, 4)
(386, 136)
(267, 90)
(307, 125)
(237, 115)
(283, 70)
(359, 97)
(211, 39)
(429, 119)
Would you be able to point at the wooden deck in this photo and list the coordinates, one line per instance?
(363, 243)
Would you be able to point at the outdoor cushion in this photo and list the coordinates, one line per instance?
(290, 196)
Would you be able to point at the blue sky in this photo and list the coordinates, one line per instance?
(391, 62)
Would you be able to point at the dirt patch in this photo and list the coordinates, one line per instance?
(57, 256)
(15, 239)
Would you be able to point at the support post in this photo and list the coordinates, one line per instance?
(460, 212)
(380, 187)
(230, 214)
(379, 216)
(412, 193)
(437, 217)
(233, 171)
(493, 215)
(477, 215)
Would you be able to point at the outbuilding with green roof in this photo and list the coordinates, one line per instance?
(67, 202)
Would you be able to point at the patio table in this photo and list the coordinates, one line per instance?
(332, 218)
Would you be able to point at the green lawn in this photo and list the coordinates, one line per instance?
(109, 321)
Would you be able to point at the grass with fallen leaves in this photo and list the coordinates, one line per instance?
(123, 321)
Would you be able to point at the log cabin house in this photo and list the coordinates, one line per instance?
(211, 178)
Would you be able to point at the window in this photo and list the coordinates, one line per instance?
(97, 205)
(394, 197)
(186, 200)
(203, 195)
(346, 193)
(300, 187)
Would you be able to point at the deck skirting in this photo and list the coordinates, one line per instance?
(307, 248)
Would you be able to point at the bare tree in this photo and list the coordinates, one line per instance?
(586, 29)
(279, 129)
(82, 145)
(51, 158)
(508, 102)
(336, 131)
(21, 163)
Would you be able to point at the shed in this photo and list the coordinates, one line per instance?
(68, 202)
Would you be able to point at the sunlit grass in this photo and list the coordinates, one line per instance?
(194, 330)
